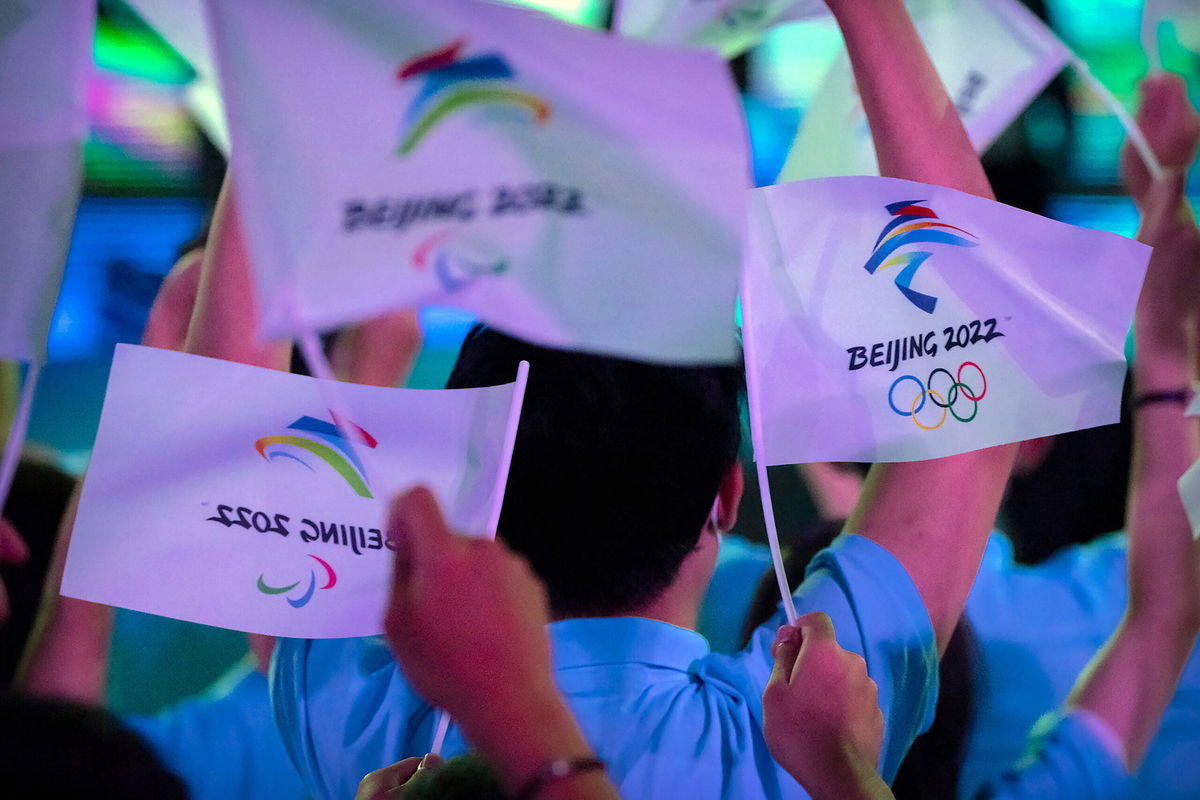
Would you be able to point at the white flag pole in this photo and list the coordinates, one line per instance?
(1151, 17)
(510, 439)
(1131, 128)
(16, 434)
(756, 439)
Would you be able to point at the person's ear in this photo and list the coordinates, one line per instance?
(729, 496)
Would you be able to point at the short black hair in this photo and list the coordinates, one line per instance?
(615, 470)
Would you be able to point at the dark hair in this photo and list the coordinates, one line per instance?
(615, 469)
(465, 777)
(58, 749)
(932, 766)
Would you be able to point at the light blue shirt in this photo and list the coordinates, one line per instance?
(1038, 626)
(669, 717)
(224, 745)
(1068, 756)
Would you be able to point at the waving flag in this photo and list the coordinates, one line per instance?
(45, 54)
(232, 496)
(990, 85)
(888, 320)
(560, 183)
(728, 26)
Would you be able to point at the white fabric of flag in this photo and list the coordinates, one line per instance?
(1189, 484)
(45, 55)
(224, 494)
(562, 184)
(728, 26)
(897, 321)
(990, 84)
(182, 24)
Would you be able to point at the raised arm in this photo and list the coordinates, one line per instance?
(224, 323)
(1132, 679)
(511, 712)
(919, 137)
(380, 351)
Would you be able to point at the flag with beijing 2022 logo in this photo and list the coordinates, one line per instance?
(888, 320)
(575, 189)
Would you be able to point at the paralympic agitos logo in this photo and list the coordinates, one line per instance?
(453, 83)
(913, 224)
(306, 594)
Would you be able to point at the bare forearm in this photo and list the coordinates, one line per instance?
(917, 132)
(225, 321)
(67, 654)
(935, 517)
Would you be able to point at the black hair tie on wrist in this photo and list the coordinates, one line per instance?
(555, 770)
(1181, 396)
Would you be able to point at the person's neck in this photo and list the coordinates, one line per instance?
(673, 606)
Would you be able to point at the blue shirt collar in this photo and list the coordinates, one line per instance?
(591, 641)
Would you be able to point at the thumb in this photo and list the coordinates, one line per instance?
(816, 627)
(418, 530)
(786, 648)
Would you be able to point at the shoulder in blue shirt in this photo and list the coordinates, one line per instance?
(669, 717)
(224, 744)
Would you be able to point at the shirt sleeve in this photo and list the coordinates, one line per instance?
(224, 744)
(1069, 755)
(877, 613)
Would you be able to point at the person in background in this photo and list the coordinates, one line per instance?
(1033, 630)
(223, 742)
(821, 718)
(622, 478)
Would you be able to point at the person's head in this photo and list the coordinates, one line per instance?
(56, 748)
(617, 469)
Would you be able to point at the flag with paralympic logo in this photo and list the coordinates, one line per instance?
(562, 184)
(887, 320)
(233, 496)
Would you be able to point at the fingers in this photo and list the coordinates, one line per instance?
(785, 650)
(12, 547)
(381, 783)
(816, 627)
(417, 521)
(417, 529)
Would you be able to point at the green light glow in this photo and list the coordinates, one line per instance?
(581, 12)
(132, 52)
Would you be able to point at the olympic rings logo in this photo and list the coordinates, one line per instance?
(947, 396)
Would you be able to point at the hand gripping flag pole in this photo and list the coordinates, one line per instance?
(756, 439)
(510, 439)
(16, 434)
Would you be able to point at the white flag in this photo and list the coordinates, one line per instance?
(993, 56)
(224, 494)
(564, 185)
(728, 26)
(45, 55)
(1189, 484)
(896, 321)
(182, 24)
